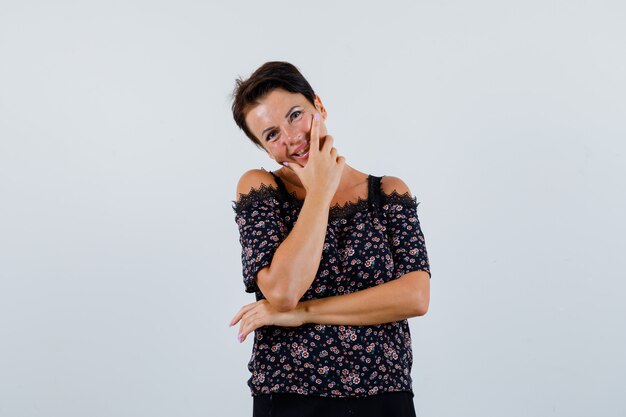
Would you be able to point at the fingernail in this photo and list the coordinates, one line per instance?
(316, 116)
(286, 164)
(239, 337)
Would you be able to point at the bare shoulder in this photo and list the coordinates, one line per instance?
(253, 180)
(389, 184)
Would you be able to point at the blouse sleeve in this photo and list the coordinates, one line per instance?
(406, 239)
(261, 230)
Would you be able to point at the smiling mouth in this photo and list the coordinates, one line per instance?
(302, 152)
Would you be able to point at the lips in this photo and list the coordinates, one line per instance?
(299, 149)
(305, 156)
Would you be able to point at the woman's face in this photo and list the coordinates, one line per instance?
(282, 123)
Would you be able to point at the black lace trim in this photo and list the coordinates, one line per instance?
(348, 208)
(266, 191)
(404, 199)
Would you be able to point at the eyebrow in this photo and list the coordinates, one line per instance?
(286, 115)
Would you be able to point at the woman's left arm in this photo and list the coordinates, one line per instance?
(405, 297)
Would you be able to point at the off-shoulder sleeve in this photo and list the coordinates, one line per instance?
(261, 230)
(406, 239)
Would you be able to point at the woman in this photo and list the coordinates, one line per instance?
(335, 257)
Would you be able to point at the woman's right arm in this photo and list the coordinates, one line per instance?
(296, 260)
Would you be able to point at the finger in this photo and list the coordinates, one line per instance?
(240, 335)
(243, 310)
(328, 143)
(245, 329)
(240, 313)
(248, 326)
(294, 167)
(245, 319)
(314, 146)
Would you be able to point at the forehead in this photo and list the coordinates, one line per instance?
(271, 109)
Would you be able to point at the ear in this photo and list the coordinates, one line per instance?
(320, 107)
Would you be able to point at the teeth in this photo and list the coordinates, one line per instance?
(302, 152)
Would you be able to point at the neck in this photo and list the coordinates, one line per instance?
(346, 177)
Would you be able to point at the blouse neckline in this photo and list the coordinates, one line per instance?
(336, 210)
(265, 191)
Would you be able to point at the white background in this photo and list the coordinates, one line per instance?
(119, 255)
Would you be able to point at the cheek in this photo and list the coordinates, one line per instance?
(305, 125)
(276, 151)
(273, 148)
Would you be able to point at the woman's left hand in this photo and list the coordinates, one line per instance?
(261, 313)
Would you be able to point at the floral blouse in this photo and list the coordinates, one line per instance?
(368, 242)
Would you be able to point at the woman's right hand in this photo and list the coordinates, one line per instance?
(322, 172)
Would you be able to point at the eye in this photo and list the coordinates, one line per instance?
(295, 115)
(271, 135)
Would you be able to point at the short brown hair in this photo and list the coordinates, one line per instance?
(267, 77)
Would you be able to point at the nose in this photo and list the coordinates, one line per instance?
(290, 134)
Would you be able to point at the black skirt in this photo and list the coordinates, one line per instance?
(388, 404)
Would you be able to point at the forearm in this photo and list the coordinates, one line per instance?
(405, 297)
(296, 260)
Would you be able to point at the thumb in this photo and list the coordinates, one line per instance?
(294, 167)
